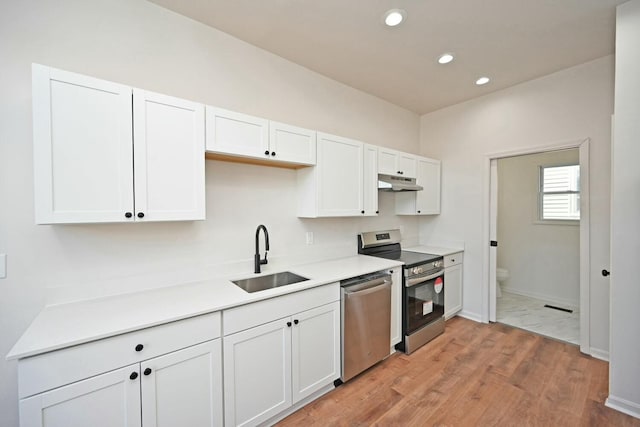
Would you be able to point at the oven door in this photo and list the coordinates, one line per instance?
(424, 300)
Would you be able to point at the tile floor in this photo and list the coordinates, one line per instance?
(531, 314)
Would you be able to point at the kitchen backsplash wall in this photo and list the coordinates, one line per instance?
(141, 44)
(117, 258)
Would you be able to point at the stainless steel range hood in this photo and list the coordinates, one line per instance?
(397, 183)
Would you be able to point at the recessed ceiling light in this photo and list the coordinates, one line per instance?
(445, 58)
(482, 81)
(394, 17)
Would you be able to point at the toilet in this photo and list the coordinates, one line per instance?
(502, 274)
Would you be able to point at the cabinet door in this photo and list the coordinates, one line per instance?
(169, 158)
(396, 307)
(183, 388)
(452, 290)
(315, 349)
(407, 165)
(107, 400)
(239, 134)
(83, 160)
(428, 200)
(387, 161)
(257, 373)
(292, 144)
(340, 180)
(370, 180)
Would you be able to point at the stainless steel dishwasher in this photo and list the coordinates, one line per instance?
(366, 322)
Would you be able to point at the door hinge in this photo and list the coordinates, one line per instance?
(494, 243)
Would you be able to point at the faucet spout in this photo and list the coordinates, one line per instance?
(257, 261)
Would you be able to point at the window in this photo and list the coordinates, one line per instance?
(560, 193)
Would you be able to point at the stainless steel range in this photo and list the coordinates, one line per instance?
(422, 290)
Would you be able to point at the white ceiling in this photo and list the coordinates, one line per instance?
(510, 41)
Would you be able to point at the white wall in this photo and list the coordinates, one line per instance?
(543, 259)
(566, 106)
(624, 369)
(138, 43)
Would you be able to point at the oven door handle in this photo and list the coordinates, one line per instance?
(418, 280)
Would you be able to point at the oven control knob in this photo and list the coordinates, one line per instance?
(438, 263)
(416, 270)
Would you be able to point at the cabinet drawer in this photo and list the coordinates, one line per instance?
(453, 259)
(60, 367)
(261, 312)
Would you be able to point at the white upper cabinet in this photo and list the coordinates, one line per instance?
(88, 142)
(169, 157)
(407, 165)
(426, 201)
(83, 157)
(387, 161)
(240, 135)
(340, 178)
(370, 180)
(292, 144)
(335, 186)
(392, 162)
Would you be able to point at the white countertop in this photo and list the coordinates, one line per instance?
(436, 250)
(64, 325)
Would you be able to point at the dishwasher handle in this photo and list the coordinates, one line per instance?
(367, 287)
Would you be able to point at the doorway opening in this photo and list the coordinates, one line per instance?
(537, 227)
(540, 236)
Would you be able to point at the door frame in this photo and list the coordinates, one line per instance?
(490, 213)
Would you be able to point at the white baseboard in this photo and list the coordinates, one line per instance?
(545, 298)
(623, 405)
(599, 354)
(471, 316)
(284, 414)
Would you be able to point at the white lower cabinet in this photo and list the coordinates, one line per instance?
(396, 307)
(106, 400)
(315, 350)
(257, 373)
(452, 284)
(272, 366)
(180, 387)
(183, 388)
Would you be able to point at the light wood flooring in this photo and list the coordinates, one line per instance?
(474, 375)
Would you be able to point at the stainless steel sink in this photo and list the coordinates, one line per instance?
(261, 283)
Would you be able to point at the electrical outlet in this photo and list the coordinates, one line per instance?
(309, 237)
(3, 266)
